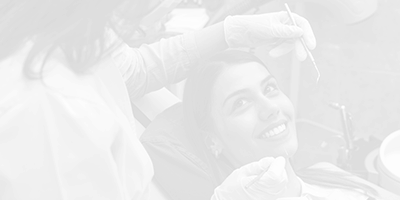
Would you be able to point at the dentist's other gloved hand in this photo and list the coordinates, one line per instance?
(271, 185)
(274, 29)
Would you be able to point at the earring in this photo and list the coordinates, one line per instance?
(216, 153)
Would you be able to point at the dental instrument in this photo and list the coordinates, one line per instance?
(303, 42)
(260, 175)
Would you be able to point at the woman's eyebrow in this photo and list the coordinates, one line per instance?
(269, 77)
(237, 92)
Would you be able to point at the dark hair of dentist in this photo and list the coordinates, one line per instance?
(77, 27)
(203, 123)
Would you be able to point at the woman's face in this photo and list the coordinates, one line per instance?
(252, 117)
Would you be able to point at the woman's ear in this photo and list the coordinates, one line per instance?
(213, 143)
(216, 145)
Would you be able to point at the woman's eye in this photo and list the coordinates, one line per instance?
(238, 104)
(269, 89)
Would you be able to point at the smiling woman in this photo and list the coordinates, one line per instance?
(233, 108)
(234, 113)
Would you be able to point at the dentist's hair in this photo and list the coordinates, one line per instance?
(198, 122)
(77, 27)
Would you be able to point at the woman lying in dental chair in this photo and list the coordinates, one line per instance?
(233, 113)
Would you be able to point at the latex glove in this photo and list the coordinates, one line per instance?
(272, 184)
(273, 29)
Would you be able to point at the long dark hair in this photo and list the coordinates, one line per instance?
(197, 120)
(196, 105)
(77, 27)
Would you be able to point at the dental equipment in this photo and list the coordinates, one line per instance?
(303, 42)
(347, 126)
(262, 174)
(345, 152)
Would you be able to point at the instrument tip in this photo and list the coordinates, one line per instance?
(286, 152)
(316, 69)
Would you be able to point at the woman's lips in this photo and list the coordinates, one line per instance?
(274, 131)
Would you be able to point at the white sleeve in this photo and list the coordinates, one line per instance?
(153, 66)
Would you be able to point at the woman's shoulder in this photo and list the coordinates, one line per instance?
(382, 192)
(312, 191)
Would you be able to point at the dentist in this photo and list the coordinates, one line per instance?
(66, 81)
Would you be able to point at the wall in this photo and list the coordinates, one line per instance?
(360, 68)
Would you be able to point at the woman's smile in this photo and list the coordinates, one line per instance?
(274, 131)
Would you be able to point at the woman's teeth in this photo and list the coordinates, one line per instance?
(275, 131)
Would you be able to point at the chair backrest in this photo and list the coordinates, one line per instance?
(145, 110)
(148, 107)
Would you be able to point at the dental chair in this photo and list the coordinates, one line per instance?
(145, 110)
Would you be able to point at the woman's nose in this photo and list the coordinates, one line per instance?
(267, 109)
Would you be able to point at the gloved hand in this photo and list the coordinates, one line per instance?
(273, 29)
(271, 185)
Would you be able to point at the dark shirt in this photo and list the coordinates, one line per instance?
(179, 166)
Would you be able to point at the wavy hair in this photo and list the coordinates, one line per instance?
(77, 27)
(196, 104)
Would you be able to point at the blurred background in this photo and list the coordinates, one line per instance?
(345, 116)
(358, 55)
